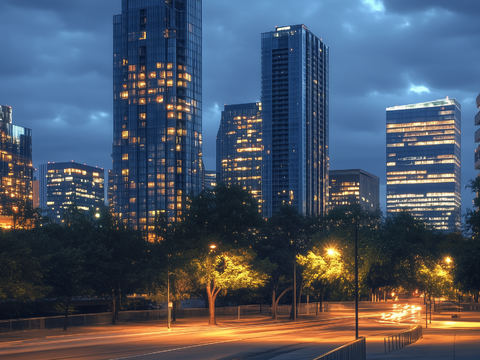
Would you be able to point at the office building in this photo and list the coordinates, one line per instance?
(423, 162)
(354, 186)
(477, 136)
(16, 169)
(239, 148)
(157, 112)
(294, 121)
(70, 183)
(210, 180)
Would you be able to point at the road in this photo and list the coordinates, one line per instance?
(253, 338)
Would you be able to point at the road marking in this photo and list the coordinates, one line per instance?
(182, 348)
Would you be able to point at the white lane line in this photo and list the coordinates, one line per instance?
(182, 348)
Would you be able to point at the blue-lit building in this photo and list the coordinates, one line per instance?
(239, 148)
(477, 136)
(295, 80)
(423, 162)
(157, 111)
(16, 169)
(70, 183)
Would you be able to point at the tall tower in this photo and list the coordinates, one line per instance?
(239, 148)
(423, 162)
(157, 118)
(16, 169)
(295, 121)
(477, 136)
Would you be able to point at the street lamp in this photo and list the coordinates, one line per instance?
(356, 278)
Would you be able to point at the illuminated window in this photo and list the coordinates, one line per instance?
(169, 66)
(160, 65)
(124, 134)
(143, 35)
(152, 75)
(125, 157)
(142, 101)
(124, 94)
(159, 98)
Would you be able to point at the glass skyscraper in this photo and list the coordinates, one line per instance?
(354, 186)
(16, 169)
(423, 162)
(477, 136)
(294, 97)
(239, 148)
(157, 119)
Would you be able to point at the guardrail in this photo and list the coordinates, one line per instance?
(355, 350)
(402, 339)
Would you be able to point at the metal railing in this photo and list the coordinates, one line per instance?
(402, 339)
(355, 350)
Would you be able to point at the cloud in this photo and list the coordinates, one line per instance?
(56, 69)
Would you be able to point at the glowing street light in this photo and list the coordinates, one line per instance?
(448, 260)
(332, 252)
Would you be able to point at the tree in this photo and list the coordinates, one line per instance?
(284, 236)
(320, 270)
(230, 270)
(21, 272)
(436, 280)
(117, 258)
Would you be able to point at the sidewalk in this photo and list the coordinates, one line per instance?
(444, 339)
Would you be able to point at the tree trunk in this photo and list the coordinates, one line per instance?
(299, 297)
(65, 322)
(275, 302)
(212, 295)
(475, 297)
(115, 305)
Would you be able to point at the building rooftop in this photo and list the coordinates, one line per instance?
(441, 102)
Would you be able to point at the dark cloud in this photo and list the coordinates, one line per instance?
(56, 69)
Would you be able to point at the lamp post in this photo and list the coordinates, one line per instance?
(169, 318)
(356, 278)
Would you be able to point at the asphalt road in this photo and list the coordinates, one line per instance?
(253, 338)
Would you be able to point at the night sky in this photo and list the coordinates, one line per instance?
(56, 70)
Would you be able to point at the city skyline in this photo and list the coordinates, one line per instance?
(393, 53)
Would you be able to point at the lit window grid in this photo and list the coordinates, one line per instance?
(173, 121)
(430, 161)
(239, 144)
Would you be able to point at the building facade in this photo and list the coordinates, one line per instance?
(354, 186)
(239, 148)
(295, 99)
(477, 136)
(210, 180)
(423, 162)
(70, 183)
(157, 119)
(16, 169)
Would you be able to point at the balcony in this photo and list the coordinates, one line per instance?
(477, 158)
(478, 101)
(477, 136)
(477, 119)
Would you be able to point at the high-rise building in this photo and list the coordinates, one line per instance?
(210, 180)
(354, 186)
(477, 136)
(16, 169)
(295, 121)
(423, 162)
(157, 111)
(70, 183)
(239, 148)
